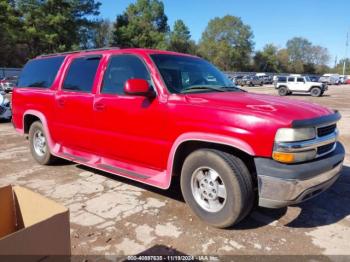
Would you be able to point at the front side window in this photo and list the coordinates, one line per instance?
(183, 74)
(40, 72)
(120, 69)
(300, 79)
(81, 74)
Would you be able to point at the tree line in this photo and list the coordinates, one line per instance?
(32, 27)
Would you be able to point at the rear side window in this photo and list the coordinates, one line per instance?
(40, 72)
(81, 74)
(291, 79)
(120, 69)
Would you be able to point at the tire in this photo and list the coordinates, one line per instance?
(315, 91)
(283, 91)
(231, 174)
(40, 150)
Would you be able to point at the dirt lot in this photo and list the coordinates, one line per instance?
(110, 215)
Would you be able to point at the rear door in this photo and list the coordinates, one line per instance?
(300, 84)
(291, 83)
(74, 102)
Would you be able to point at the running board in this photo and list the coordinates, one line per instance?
(74, 157)
(120, 170)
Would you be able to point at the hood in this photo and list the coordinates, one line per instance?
(282, 109)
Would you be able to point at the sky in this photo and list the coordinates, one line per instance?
(323, 22)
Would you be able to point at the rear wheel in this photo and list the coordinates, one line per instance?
(283, 91)
(38, 145)
(217, 186)
(316, 91)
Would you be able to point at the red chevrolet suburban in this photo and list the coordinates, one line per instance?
(150, 115)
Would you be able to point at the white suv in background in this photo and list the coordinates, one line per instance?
(287, 85)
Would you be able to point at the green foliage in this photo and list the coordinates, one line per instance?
(339, 67)
(180, 39)
(227, 42)
(34, 27)
(102, 33)
(143, 24)
(304, 57)
(11, 31)
(267, 60)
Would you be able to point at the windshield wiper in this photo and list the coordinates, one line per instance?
(198, 87)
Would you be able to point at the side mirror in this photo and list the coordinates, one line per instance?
(138, 87)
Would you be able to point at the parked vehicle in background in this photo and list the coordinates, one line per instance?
(330, 79)
(239, 80)
(268, 80)
(299, 84)
(314, 78)
(7, 83)
(347, 81)
(5, 108)
(252, 81)
(150, 115)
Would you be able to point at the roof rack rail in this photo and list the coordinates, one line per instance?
(80, 51)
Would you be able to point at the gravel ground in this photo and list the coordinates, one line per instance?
(114, 216)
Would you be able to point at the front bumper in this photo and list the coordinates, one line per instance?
(282, 184)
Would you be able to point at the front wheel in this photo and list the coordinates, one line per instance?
(283, 91)
(39, 145)
(315, 91)
(217, 186)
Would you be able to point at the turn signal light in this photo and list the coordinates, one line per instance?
(283, 157)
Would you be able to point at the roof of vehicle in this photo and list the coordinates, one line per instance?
(114, 50)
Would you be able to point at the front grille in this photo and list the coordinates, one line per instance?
(326, 130)
(2, 110)
(325, 149)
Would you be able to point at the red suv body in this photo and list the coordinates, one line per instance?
(149, 115)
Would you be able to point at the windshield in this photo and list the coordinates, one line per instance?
(191, 74)
(307, 79)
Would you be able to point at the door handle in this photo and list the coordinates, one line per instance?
(60, 102)
(99, 106)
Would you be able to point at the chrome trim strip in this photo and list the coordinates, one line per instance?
(293, 147)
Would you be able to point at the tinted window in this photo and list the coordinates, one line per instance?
(40, 72)
(290, 79)
(120, 69)
(300, 79)
(81, 74)
(282, 79)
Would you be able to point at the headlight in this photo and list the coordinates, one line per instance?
(287, 136)
(295, 134)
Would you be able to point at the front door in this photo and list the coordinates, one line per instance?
(129, 128)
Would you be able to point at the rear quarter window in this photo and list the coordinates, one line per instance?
(40, 72)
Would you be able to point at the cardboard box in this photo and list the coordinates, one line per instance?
(31, 224)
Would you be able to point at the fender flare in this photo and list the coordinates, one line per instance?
(205, 137)
(43, 120)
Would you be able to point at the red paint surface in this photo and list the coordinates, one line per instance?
(141, 134)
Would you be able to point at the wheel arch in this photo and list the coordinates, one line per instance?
(188, 143)
(31, 116)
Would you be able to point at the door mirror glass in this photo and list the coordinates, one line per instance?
(138, 87)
